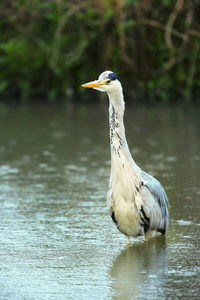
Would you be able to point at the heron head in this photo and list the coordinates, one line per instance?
(108, 81)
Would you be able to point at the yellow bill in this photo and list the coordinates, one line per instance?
(93, 84)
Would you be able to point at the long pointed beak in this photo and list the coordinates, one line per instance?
(93, 84)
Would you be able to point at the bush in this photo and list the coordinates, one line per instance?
(48, 48)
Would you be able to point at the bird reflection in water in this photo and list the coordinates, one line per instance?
(140, 271)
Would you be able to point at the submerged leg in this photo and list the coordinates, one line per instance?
(146, 238)
(128, 240)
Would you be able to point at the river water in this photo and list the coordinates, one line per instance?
(57, 240)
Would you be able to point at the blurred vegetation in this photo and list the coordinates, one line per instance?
(49, 48)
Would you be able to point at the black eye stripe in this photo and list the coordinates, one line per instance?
(113, 76)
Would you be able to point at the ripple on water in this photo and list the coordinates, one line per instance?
(184, 222)
(6, 170)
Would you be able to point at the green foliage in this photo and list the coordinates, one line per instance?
(49, 48)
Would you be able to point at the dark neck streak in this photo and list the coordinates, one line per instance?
(117, 131)
(121, 158)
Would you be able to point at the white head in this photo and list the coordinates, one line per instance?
(107, 82)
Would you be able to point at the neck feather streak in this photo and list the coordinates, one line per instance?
(117, 131)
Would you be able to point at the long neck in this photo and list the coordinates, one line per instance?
(122, 164)
(118, 141)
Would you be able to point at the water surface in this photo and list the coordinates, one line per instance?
(57, 240)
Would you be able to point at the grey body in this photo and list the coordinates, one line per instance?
(137, 201)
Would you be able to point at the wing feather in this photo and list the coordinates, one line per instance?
(155, 202)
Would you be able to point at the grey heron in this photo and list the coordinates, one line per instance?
(137, 202)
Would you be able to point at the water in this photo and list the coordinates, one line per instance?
(57, 240)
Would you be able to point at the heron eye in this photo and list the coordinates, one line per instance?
(108, 81)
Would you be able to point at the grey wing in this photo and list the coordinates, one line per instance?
(155, 203)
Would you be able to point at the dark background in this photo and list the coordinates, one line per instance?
(49, 48)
